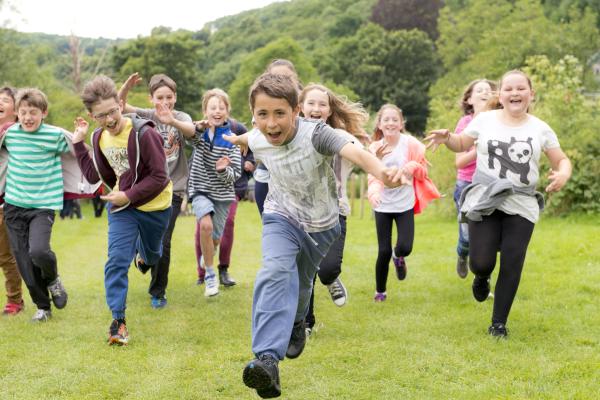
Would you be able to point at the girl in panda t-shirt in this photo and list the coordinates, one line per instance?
(501, 206)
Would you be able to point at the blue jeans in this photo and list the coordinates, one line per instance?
(462, 247)
(130, 231)
(291, 258)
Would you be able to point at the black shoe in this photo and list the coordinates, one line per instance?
(141, 265)
(481, 288)
(462, 267)
(498, 329)
(58, 293)
(297, 340)
(224, 277)
(262, 374)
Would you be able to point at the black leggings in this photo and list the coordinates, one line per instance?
(405, 225)
(509, 234)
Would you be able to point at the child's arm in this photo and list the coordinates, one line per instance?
(239, 140)
(561, 169)
(86, 164)
(456, 143)
(165, 116)
(391, 177)
(133, 80)
(463, 159)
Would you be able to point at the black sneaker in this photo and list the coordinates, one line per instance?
(224, 277)
(262, 374)
(400, 265)
(481, 288)
(462, 266)
(141, 265)
(58, 293)
(498, 329)
(297, 340)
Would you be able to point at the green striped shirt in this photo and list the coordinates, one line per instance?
(34, 178)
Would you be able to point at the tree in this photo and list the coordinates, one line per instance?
(387, 67)
(408, 14)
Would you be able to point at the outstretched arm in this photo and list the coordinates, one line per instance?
(133, 80)
(456, 143)
(238, 140)
(561, 169)
(391, 177)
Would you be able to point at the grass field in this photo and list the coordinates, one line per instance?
(428, 341)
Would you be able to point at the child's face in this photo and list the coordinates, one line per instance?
(7, 108)
(107, 113)
(30, 117)
(391, 123)
(515, 94)
(480, 95)
(316, 105)
(275, 118)
(216, 111)
(164, 95)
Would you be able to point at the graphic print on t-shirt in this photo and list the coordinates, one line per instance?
(513, 157)
(171, 141)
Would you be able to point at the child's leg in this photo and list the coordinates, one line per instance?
(275, 298)
(331, 266)
(160, 271)
(516, 233)
(152, 227)
(204, 209)
(261, 190)
(462, 247)
(405, 226)
(198, 248)
(123, 233)
(227, 237)
(383, 225)
(18, 223)
(40, 230)
(310, 315)
(8, 264)
(485, 238)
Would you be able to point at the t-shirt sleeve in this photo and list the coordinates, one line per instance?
(181, 116)
(327, 141)
(473, 128)
(147, 113)
(549, 139)
(62, 145)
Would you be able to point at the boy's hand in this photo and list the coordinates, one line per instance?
(202, 125)
(437, 137)
(394, 177)
(222, 163)
(164, 115)
(116, 197)
(133, 80)
(557, 181)
(248, 166)
(81, 128)
(239, 140)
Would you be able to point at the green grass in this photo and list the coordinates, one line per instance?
(428, 341)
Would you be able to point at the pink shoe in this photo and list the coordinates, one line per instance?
(379, 297)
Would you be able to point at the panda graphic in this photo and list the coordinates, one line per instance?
(513, 157)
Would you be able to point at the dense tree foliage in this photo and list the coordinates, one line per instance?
(408, 14)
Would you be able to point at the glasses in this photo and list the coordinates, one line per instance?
(103, 116)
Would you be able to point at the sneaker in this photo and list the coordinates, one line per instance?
(462, 267)
(224, 277)
(481, 287)
(338, 292)
(499, 330)
(141, 265)
(117, 333)
(262, 374)
(297, 340)
(41, 316)
(212, 286)
(379, 297)
(400, 265)
(58, 293)
(13, 308)
(308, 331)
(158, 302)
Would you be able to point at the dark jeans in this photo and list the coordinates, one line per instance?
(329, 269)
(510, 234)
(462, 247)
(260, 194)
(405, 226)
(29, 231)
(160, 271)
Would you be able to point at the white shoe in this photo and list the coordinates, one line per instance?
(338, 292)
(211, 287)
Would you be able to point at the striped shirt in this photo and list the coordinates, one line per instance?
(34, 178)
(204, 178)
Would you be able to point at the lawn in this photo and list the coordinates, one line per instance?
(427, 341)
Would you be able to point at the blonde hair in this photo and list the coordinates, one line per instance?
(377, 133)
(345, 114)
(218, 93)
(32, 96)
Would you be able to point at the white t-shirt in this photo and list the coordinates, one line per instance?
(401, 198)
(302, 184)
(513, 153)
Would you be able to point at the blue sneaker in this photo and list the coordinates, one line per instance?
(158, 302)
